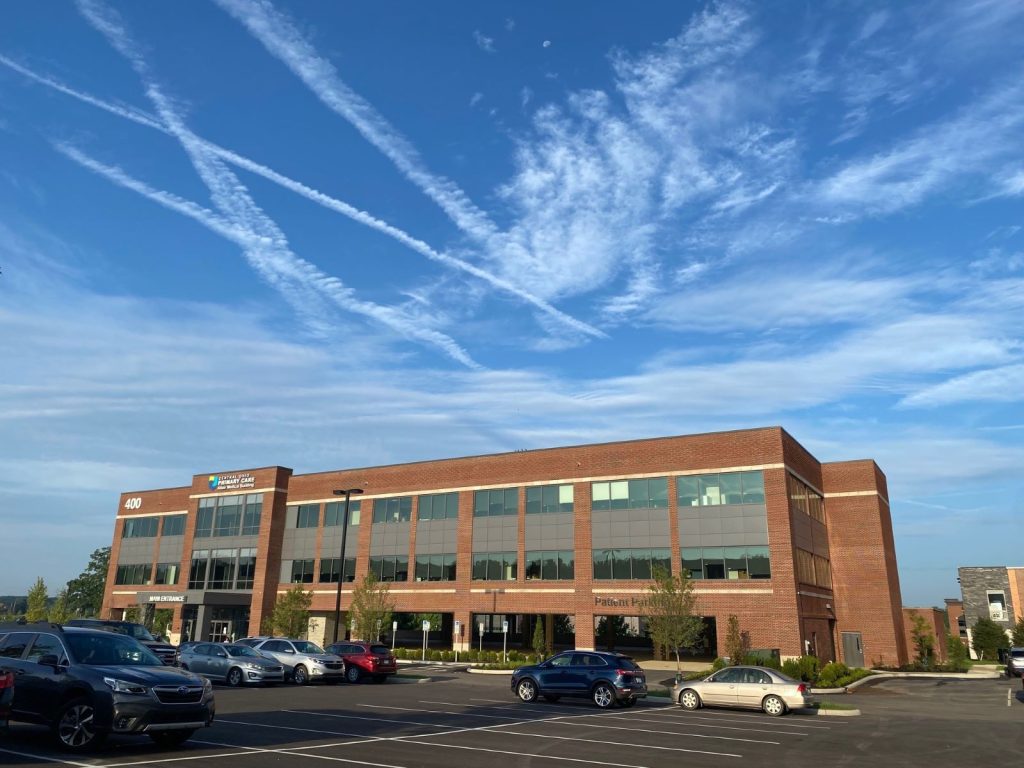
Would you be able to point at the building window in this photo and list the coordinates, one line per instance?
(166, 573)
(435, 567)
(720, 488)
(197, 573)
(204, 519)
(229, 515)
(307, 516)
(551, 566)
(393, 510)
(812, 569)
(140, 527)
(805, 499)
(222, 569)
(544, 499)
(298, 571)
(438, 506)
(133, 574)
(495, 566)
(496, 502)
(335, 510)
(726, 562)
(173, 525)
(246, 569)
(390, 567)
(329, 569)
(645, 493)
(253, 514)
(631, 563)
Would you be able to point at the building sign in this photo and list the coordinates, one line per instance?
(166, 599)
(236, 481)
(621, 602)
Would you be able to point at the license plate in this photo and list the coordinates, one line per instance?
(640, 680)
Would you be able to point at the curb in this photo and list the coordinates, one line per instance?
(475, 671)
(835, 713)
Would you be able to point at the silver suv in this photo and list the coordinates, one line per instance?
(1015, 662)
(303, 661)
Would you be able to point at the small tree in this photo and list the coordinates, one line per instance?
(671, 612)
(291, 612)
(924, 640)
(987, 637)
(957, 651)
(60, 611)
(539, 644)
(737, 642)
(38, 602)
(371, 608)
(1018, 632)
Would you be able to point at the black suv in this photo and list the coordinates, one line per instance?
(163, 651)
(85, 684)
(604, 678)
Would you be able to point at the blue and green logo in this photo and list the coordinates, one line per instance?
(214, 481)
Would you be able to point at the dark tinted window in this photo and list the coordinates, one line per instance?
(45, 645)
(380, 650)
(109, 649)
(732, 675)
(277, 646)
(561, 661)
(14, 645)
(625, 663)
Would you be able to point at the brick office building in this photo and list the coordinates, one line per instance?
(801, 552)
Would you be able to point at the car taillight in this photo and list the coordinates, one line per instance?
(6, 680)
(624, 672)
(802, 688)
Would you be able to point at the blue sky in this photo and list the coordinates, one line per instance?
(236, 233)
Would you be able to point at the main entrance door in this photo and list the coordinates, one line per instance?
(853, 650)
(220, 631)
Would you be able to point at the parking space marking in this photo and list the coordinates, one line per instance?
(506, 753)
(441, 712)
(776, 723)
(700, 723)
(640, 746)
(462, 703)
(664, 733)
(371, 719)
(292, 728)
(48, 757)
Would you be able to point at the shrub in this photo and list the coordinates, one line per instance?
(765, 660)
(831, 674)
(719, 663)
(791, 668)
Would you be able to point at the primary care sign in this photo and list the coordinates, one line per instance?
(236, 481)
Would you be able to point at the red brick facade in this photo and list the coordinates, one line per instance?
(935, 625)
(778, 612)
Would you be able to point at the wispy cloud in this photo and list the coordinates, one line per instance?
(483, 42)
(475, 99)
(1003, 384)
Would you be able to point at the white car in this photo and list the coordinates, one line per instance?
(752, 687)
(303, 661)
(1015, 662)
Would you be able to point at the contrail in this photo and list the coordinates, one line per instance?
(339, 206)
(235, 202)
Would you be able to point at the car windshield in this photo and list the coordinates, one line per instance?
(380, 650)
(624, 662)
(1017, 654)
(241, 650)
(304, 646)
(141, 634)
(110, 649)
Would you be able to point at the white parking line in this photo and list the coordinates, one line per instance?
(708, 717)
(506, 753)
(293, 728)
(441, 711)
(664, 733)
(371, 719)
(732, 714)
(47, 757)
(627, 744)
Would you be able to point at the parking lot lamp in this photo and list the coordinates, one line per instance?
(347, 493)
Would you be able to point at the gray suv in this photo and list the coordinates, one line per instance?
(303, 661)
(1015, 662)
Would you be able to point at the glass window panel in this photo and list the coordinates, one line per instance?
(308, 516)
(686, 491)
(551, 498)
(602, 563)
(227, 520)
(422, 568)
(566, 564)
(402, 568)
(732, 488)
(534, 503)
(758, 563)
(714, 563)
(329, 571)
(479, 567)
(736, 563)
(350, 569)
(253, 514)
(494, 566)
(657, 488)
(387, 568)
(619, 492)
(425, 509)
(436, 568)
(204, 521)
(620, 564)
(174, 525)
(448, 564)
(549, 569)
(222, 569)
(661, 558)
(565, 498)
(600, 491)
(405, 509)
(710, 490)
(509, 564)
(511, 501)
(481, 502)
(638, 494)
(533, 565)
(197, 572)
(692, 562)
(753, 487)
(641, 563)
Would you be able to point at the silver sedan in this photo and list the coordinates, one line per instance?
(232, 664)
(752, 687)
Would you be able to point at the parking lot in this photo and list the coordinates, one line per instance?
(457, 718)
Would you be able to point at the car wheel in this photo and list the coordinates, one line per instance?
(353, 674)
(627, 702)
(527, 690)
(234, 678)
(603, 695)
(689, 699)
(299, 675)
(379, 678)
(171, 738)
(552, 699)
(774, 706)
(74, 728)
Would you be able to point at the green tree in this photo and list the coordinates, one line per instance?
(923, 638)
(610, 628)
(957, 651)
(987, 637)
(60, 612)
(290, 617)
(85, 591)
(38, 602)
(737, 641)
(1018, 632)
(372, 608)
(670, 616)
(539, 641)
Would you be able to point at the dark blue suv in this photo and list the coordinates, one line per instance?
(604, 678)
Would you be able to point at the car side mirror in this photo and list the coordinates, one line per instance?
(289, 650)
(49, 660)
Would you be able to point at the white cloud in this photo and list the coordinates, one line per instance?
(1003, 384)
(483, 42)
(475, 99)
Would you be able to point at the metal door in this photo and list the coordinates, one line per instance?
(853, 650)
(220, 631)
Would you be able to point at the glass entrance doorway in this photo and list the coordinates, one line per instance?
(220, 631)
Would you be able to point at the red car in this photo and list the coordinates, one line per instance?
(6, 696)
(365, 660)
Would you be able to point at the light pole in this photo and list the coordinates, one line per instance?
(346, 492)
